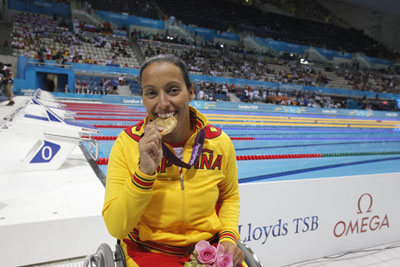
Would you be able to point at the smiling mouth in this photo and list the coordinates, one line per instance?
(166, 115)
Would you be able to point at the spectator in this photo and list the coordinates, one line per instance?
(6, 47)
(7, 82)
(122, 79)
(66, 88)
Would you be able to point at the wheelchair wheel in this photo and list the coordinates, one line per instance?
(105, 254)
(119, 256)
(250, 257)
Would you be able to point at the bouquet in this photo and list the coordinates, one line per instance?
(206, 255)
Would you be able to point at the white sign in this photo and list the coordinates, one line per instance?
(292, 221)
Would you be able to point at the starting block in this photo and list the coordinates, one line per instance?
(47, 99)
(44, 95)
(57, 137)
(36, 106)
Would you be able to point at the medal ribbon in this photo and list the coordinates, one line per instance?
(197, 148)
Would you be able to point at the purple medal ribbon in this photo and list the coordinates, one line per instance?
(197, 148)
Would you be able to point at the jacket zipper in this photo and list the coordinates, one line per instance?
(183, 196)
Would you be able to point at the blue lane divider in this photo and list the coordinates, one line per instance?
(305, 129)
(262, 114)
(326, 138)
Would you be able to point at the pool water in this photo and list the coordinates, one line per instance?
(324, 146)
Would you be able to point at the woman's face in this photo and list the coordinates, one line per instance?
(165, 94)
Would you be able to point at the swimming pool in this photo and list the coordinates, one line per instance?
(272, 146)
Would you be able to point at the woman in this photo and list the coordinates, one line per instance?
(166, 193)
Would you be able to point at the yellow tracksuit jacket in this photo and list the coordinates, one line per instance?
(165, 209)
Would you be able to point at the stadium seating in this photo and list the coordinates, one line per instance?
(42, 37)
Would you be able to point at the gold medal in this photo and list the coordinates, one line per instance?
(168, 124)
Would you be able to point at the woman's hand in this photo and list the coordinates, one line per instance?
(237, 254)
(150, 149)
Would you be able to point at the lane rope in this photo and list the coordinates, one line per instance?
(104, 161)
(286, 138)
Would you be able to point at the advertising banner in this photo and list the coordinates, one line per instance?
(126, 20)
(330, 54)
(292, 221)
(281, 46)
(228, 36)
(103, 69)
(210, 34)
(41, 7)
(127, 100)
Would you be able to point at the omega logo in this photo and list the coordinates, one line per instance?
(369, 198)
(366, 223)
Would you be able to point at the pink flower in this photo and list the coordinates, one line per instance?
(223, 259)
(207, 253)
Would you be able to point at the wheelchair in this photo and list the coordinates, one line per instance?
(105, 257)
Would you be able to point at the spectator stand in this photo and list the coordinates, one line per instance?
(45, 38)
(203, 60)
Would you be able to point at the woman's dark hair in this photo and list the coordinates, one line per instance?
(170, 59)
